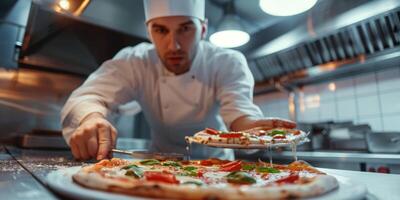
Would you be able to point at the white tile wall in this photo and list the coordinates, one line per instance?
(347, 109)
(345, 88)
(374, 122)
(327, 111)
(372, 98)
(368, 106)
(366, 84)
(391, 122)
(389, 80)
(390, 102)
(273, 105)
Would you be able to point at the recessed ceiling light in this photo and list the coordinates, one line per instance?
(286, 7)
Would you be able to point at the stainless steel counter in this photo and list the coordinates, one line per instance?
(23, 173)
(355, 157)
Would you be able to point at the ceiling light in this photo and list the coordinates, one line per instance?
(286, 7)
(230, 32)
(64, 4)
(74, 7)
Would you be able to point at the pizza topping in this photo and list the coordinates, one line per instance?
(239, 177)
(160, 177)
(277, 132)
(198, 183)
(290, 179)
(211, 131)
(232, 166)
(279, 136)
(267, 170)
(206, 162)
(231, 135)
(248, 167)
(150, 162)
(171, 163)
(192, 171)
(133, 170)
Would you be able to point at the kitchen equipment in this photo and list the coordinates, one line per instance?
(45, 139)
(383, 142)
(144, 154)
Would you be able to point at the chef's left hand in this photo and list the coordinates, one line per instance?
(247, 122)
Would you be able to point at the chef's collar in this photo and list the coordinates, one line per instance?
(166, 72)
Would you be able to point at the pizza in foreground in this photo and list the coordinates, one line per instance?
(259, 137)
(206, 179)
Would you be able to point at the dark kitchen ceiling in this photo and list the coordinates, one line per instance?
(128, 16)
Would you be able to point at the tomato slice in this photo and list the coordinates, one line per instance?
(290, 179)
(231, 135)
(279, 137)
(200, 173)
(206, 162)
(211, 131)
(161, 177)
(232, 166)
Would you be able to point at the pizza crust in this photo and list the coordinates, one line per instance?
(246, 142)
(317, 185)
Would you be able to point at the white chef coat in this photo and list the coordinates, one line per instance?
(216, 90)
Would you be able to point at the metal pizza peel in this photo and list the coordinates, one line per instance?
(144, 154)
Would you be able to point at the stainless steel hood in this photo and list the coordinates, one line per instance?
(67, 43)
(330, 45)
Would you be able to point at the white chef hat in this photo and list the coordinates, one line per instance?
(165, 8)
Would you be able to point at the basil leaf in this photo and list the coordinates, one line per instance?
(248, 167)
(240, 178)
(150, 162)
(171, 163)
(129, 166)
(277, 132)
(267, 170)
(133, 170)
(134, 173)
(193, 182)
(189, 168)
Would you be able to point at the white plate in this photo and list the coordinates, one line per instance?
(61, 182)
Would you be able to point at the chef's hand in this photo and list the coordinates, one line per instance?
(247, 122)
(94, 138)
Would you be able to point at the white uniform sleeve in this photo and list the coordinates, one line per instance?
(113, 83)
(235, 85)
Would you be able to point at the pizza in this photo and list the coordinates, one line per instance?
(205, 179)
(260, 137)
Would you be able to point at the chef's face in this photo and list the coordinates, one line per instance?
(176, 39)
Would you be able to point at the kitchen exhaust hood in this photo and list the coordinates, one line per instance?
(66, 43)
(341, 45)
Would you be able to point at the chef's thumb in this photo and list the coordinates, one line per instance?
(104, 141)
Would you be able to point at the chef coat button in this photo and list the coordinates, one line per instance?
(193, 77)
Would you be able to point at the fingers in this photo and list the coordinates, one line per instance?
(284, 123)
(83, 151)
(92, 146)
(104, 140)
(74, 149)
(275, 123)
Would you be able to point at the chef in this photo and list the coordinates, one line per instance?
(182, 83)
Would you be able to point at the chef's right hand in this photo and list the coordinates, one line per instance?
(94, 138)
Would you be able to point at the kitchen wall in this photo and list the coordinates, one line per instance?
(372, 98)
